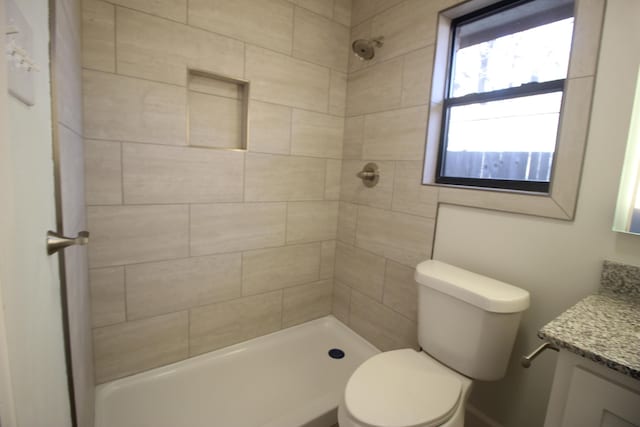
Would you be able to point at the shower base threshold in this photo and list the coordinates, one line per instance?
(284, 379)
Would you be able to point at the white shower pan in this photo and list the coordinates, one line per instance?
(284, 379)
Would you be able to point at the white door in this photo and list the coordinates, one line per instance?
(29, 280)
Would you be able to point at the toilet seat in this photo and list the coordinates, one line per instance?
(402, 388)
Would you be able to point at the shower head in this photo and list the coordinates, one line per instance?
(365, 49)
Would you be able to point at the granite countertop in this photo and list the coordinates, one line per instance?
(604, 327)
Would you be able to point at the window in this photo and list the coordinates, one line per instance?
(504, 92)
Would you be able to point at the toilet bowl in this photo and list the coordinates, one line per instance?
(467, 324)
(404, 388)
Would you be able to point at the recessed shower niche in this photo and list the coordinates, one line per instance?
(218, 109)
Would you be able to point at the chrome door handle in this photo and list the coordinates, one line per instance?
(56, 241)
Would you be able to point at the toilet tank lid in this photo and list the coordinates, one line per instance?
(482, 291)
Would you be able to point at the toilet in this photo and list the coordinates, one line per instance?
(467, 324)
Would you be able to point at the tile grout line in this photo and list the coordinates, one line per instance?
(221, 35)
(384, 280)
(115, 39)
(220, 254)
(176, 85)
(218, 302)
(189, 332)
(293, 28)
(126, 291)
(291, 111)
(282, 308)
(286, 222)
(189, 231)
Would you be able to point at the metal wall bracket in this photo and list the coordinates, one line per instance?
(526, 360)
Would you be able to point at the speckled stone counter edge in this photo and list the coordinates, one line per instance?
(626, 370)
(616, 279)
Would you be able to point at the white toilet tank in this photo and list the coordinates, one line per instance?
(467, 321)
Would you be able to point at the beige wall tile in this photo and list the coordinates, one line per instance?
(332, 179)
(267, 23)
(316, 134)
(98, 35)
(374, 230)
(353, 190)
(231, 227)
(288, 81)
(131, 347)
(341, 302)
(347, 217)
(401, 290)
(107, 296)
(327, 259)
(283, 178)
(395, 135)
(364, 9)
(307, 302)
(161, 174)
(411, 239)
(158, 49)
(270, 269)
(123, 108)
(376, 88)
(416, 77)
(169, 286)
(380, 325)
(215, 121)
(311, 221)
(269, 128)
(342, 12)
(408, 26)
(403, 238)
(360, 270)
(409, 195)
(131, 234)
(103, 173)
(322, 7)
(219, 325)
(338, 93)
(353, 138)
(175, 10)
(320, 40)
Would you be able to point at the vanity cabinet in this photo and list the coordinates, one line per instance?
(587, 394)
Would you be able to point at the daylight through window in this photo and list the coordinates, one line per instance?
(505, 88)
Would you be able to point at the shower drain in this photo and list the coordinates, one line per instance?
(336, 353)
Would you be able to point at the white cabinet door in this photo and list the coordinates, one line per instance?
(593, 401)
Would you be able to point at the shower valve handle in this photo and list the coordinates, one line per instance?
(369, 175)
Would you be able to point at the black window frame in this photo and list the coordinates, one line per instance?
(528, 89)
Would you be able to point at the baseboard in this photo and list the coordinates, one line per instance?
(476, 418)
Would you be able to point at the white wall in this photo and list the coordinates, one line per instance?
(558, 262)
(7, 413)
(29, 279)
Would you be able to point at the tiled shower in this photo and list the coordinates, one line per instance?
(196, 247)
